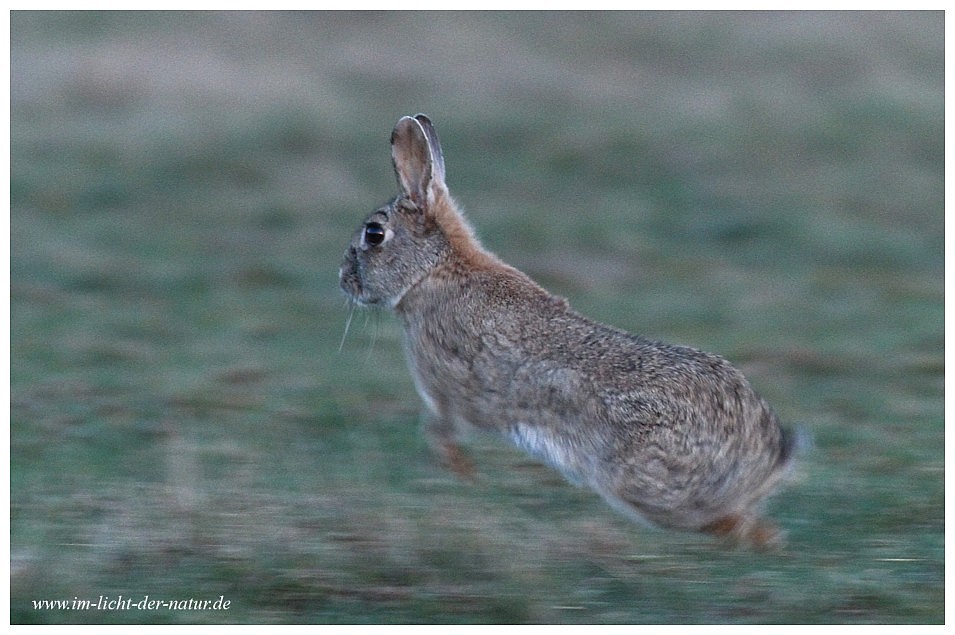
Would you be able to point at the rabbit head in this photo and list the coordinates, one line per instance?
(400, 243)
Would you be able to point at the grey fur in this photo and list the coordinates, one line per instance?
(667, 434)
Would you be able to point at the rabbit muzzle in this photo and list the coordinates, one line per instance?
(349, 277)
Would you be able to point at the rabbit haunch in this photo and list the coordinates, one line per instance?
(665, 433)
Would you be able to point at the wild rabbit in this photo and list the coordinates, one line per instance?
(665, 433)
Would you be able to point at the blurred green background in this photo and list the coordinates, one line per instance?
(768, 186)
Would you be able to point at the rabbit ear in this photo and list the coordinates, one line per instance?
(417, 157)
(437, 156)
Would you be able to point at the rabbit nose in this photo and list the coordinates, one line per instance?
(349, 255)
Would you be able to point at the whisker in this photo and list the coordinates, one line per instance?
(351, 313)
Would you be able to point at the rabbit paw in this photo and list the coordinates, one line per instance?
(454, 458)
(738, 530)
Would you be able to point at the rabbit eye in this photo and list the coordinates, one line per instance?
(375, 234)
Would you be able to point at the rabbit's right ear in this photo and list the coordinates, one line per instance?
(417, 158)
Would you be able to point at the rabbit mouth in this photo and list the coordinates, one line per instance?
(351, 286)
(352, 289)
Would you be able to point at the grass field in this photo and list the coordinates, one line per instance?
(184, 424)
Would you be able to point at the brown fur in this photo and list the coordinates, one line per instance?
(665, 433)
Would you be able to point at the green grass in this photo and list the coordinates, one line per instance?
(183, 423)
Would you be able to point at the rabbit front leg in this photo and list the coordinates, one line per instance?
(442, 437)
(736, 529)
